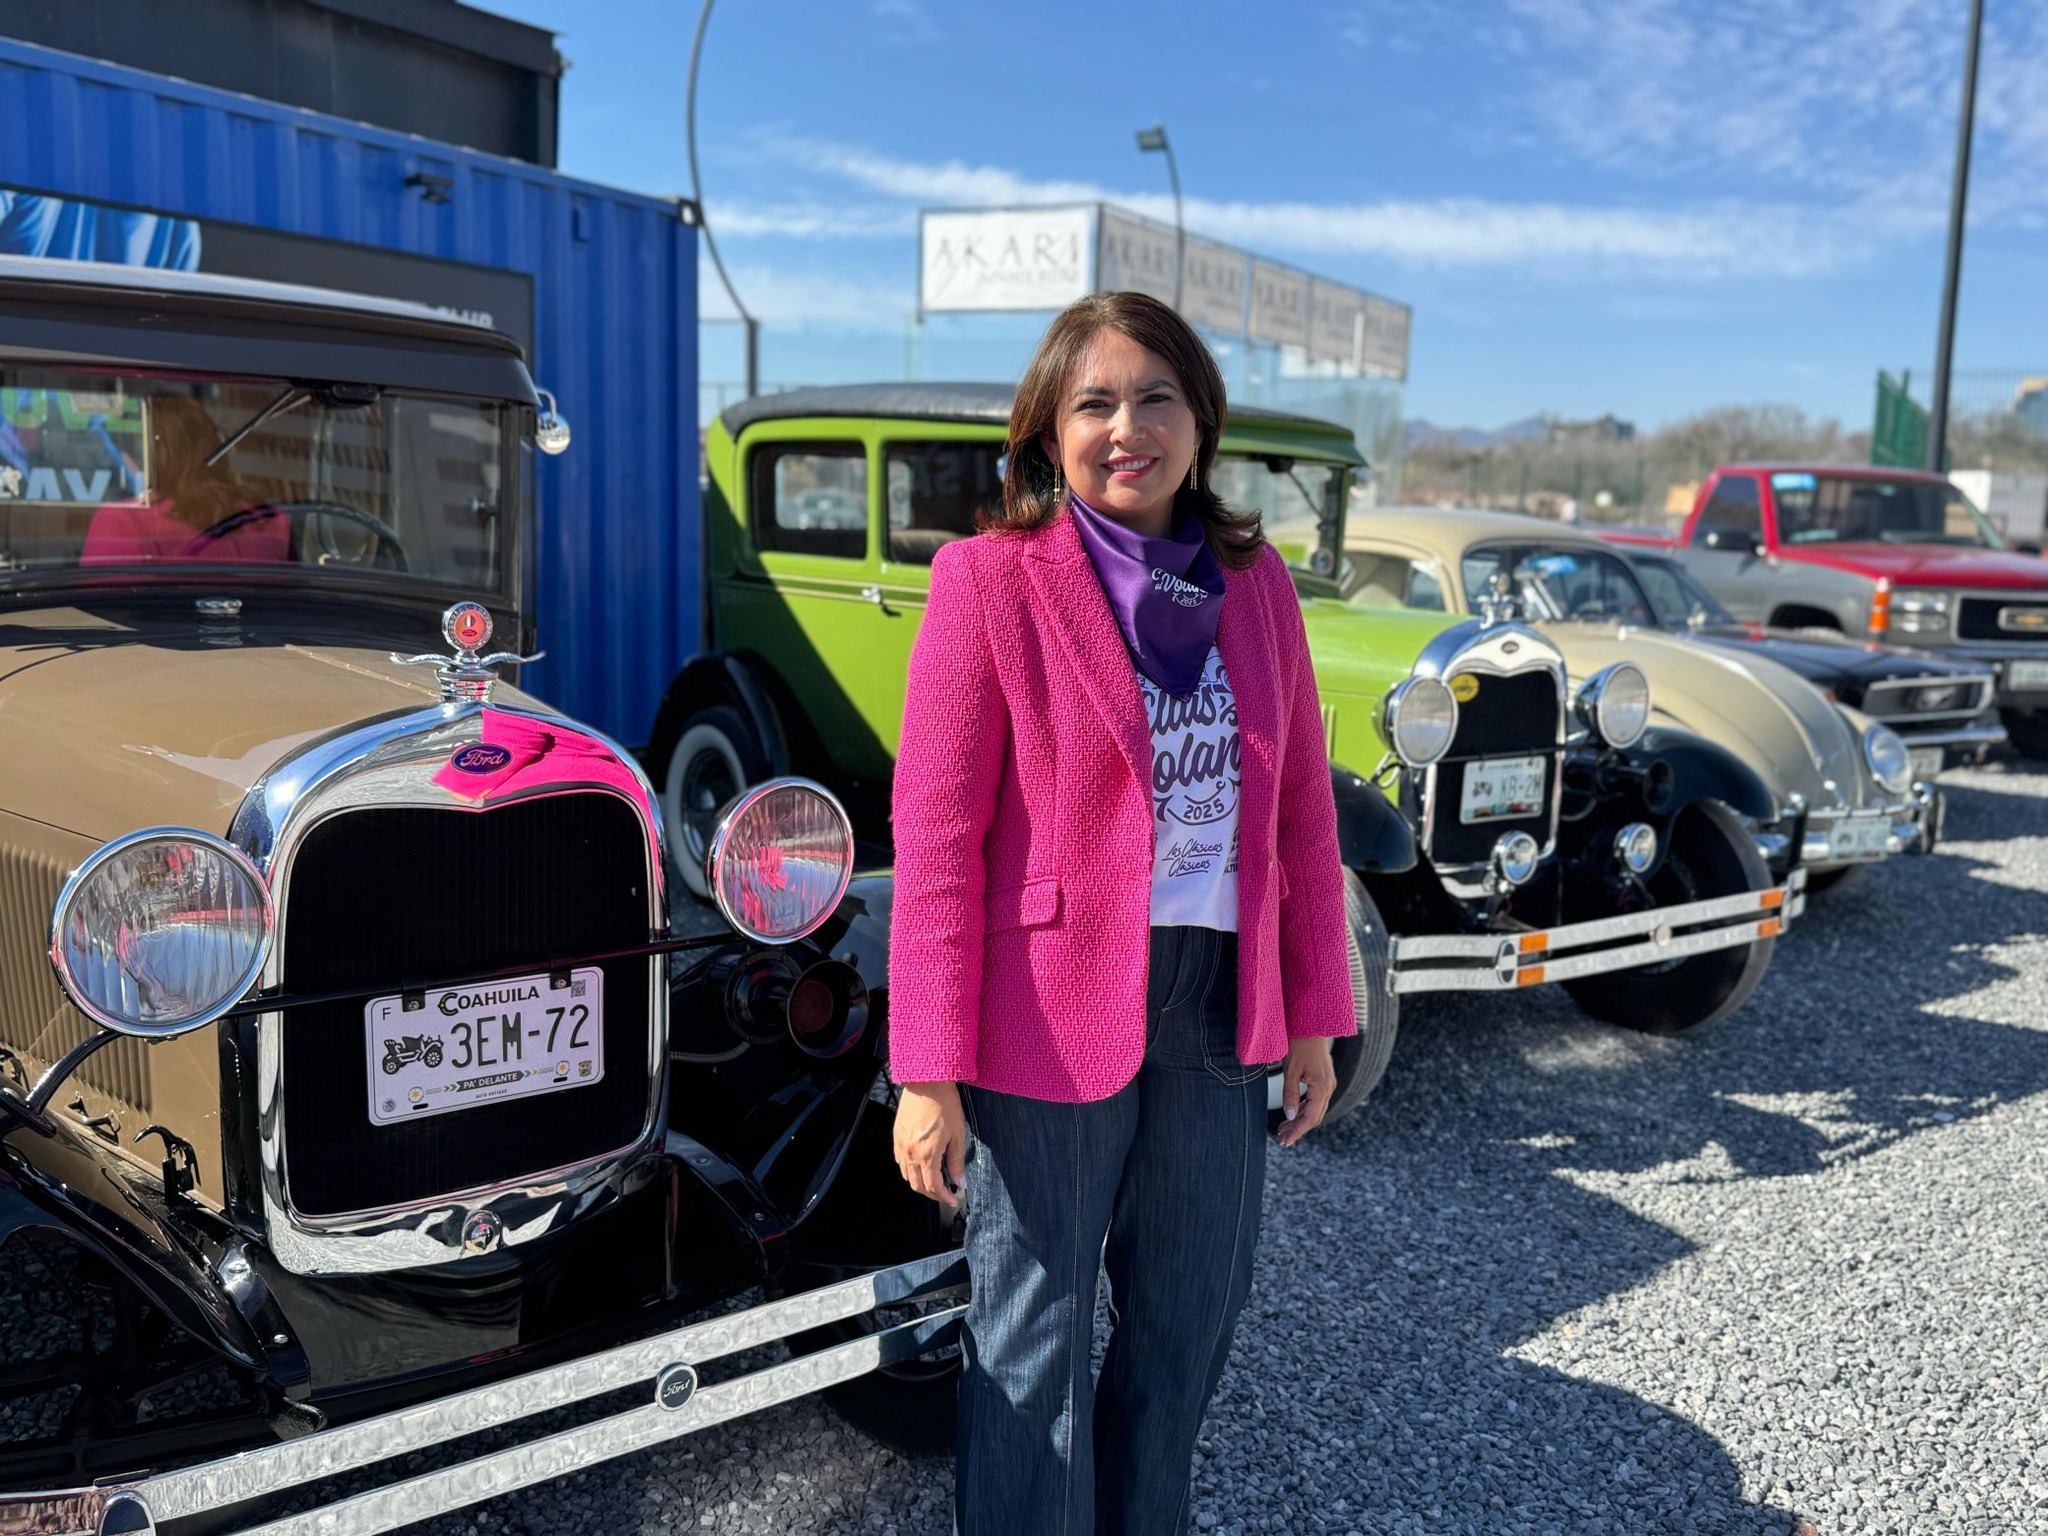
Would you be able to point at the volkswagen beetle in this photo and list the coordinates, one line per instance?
(357, 1094)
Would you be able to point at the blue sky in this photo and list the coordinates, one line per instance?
(1649, 207)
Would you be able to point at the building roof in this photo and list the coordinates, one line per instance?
(942, 402)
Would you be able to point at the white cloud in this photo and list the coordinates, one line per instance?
(1715, 239)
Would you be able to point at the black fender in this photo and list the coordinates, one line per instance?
(718, 677)
(1373, 837)
(1698, 769)
(60, 1184)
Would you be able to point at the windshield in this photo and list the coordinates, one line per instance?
(1679, 601)
(1297, 499)
(1555, 584)
(1827, 509)
(107, 471)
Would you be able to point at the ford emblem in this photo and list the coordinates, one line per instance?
(482, 757)
(467, 626)
(481, 1232)
(675, 1386)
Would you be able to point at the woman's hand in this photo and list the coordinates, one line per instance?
(1308, 1063)
(931, 1140)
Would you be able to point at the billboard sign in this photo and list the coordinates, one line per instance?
(1334, 322)
(1215, 289)
(1135, 254)
(1005, 258)
(1279, 304)
(1384, 337)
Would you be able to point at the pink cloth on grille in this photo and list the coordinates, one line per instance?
(1024, 828)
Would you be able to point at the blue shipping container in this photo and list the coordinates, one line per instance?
(612, 330)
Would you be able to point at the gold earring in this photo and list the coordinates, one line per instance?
(1194, 464)
(1059, 486)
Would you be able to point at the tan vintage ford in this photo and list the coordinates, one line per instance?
(1844, 786)
(356, 1095)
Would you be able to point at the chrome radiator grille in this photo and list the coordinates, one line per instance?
(1513, 716)
(399, 896)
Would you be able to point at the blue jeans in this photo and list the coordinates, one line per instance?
(1160, 1184)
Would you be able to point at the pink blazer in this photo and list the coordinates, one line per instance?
(1024, 827)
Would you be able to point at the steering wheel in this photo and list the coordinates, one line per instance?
(386, 535)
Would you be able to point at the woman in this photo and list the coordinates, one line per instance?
(1118, 903)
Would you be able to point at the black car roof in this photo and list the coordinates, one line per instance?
(942, 402)
(101, 316)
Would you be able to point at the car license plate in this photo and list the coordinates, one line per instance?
(1927, 761)
(1497, 788)
(2021, 675)
(458, 1047)
(1859, 837)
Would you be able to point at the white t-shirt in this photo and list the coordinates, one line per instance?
(1196, 774)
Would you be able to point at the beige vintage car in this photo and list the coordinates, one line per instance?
(1843, 783)
(355, 1094)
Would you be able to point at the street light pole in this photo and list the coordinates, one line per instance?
(697, 196)
(1959, 195)
(1155, 138)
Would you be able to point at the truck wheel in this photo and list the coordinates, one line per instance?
(715, 758)
(2027, 730)
(1712, 853)
(1360, 1059)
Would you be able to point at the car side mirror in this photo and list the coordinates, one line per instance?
(1733, 540)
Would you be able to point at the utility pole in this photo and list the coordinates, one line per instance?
(703, 220)
(1958, 199)
(1155, 138)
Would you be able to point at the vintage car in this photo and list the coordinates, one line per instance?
(1882, 554)
(357, 1095)
(1940, 706)
(1456, 748)
(1842, 786)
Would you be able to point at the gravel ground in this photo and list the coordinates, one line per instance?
(1778, 1279)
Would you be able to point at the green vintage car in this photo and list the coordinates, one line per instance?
(1500, 830)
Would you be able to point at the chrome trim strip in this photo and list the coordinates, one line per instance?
(1492, 962)
(395, 762)
(293, 1463)
(1972, 736)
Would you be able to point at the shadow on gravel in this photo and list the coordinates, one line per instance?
(1412, 1249)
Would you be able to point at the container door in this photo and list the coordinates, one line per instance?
(934, 489)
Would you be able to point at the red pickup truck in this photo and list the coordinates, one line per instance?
(1891, 554)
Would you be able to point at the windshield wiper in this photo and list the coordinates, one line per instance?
(293, 397)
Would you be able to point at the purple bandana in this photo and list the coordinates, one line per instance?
(1167, 594)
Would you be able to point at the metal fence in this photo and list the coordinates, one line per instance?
(1998, 419)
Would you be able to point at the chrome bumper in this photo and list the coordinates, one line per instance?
(1979, 736)
(1502, 962)
(666, 1365)
(1864, 837)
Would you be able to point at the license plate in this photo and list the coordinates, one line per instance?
(457, 1047)
(2026, 674)
(1497, 788)
(1863, 837)
(1927, 761)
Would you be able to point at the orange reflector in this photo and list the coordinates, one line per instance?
(1771, 900)
(1534, 943)
(1531, 977)
(1881, 606)
(1770, 928)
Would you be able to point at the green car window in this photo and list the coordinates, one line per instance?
(936, 492)
(811, 498)
(1291, 497)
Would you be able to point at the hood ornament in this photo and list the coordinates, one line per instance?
(466, 677)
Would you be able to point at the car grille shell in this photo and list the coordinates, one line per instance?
(408, 896)
(1517, 715)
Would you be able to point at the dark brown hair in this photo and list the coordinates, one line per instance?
(1030, 481)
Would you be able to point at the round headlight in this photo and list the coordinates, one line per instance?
(1890, 763)
(161, 931)
(780, 859)
(1614, 704)
(1418, 719)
